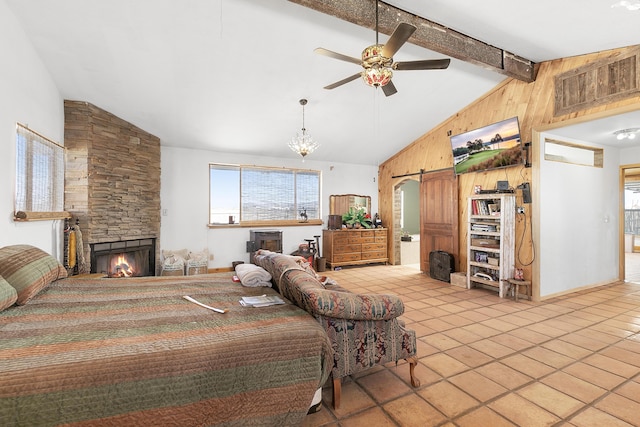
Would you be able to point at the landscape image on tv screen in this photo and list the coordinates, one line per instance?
(495, 146)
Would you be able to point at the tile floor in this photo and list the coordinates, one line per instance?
(484, 361)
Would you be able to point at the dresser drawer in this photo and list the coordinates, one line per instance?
(374, 255)
(343, 249)
(346, 257)
(368, 247)
(340, 238)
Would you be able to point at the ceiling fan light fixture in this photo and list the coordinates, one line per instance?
(302, 143)
(377, 76)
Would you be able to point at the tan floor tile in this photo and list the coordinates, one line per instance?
(622, 355)
(573, 351)
(620, 407)
(462, 336)
(548, 357)
(594, 375)
(513, 342)
(630, 390)
(413, 411)
(383, 385)
(586, 342)
(483, 417)
(442, 342)
(425, 375)
(353, 399)
(448, 399)
(504, 375)
(551, 399)
(575, 387)
(456, 320)
(593, 417)
(612, 365)
(522, 412)
(320, 418)
(527, 366)
(491, 348)
(370, 417)
(443, 364)
(469, 356)
(477, 385)
(530, 335)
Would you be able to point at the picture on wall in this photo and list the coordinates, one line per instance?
(494, 146)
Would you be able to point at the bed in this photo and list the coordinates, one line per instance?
(133, 351)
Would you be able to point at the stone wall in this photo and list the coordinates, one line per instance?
(112, 178)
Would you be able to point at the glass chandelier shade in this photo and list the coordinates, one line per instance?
(377, 70)
(303, 143)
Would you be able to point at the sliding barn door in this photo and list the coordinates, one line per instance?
(438, 215)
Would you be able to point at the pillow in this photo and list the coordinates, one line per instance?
(29, 270)
(8, 294)
(252, 275)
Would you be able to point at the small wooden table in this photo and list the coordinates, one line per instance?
(514, 284)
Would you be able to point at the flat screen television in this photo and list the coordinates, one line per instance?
(494, 146)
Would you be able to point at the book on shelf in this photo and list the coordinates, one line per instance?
(261, 301)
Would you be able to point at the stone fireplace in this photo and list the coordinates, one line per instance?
(112, 188)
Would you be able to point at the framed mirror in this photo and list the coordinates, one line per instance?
(340, 203)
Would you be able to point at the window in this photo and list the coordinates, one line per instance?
(261, 195)
(567, 152)
(39, 174)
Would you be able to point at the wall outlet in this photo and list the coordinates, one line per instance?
(210, 257)
(520, 209)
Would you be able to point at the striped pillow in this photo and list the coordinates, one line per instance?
(29, 270)
(8, 294)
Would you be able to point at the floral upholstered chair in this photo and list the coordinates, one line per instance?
(364, 329)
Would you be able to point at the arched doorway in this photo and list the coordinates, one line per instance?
(407, 223)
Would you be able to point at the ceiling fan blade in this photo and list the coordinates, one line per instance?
(389, 89)
(336, 55)
(427, 64)
(400, 35)
(343, 81)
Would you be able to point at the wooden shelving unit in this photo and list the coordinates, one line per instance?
(491, 240)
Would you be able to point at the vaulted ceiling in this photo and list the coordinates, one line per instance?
(227, 75)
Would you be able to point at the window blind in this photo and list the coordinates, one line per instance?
(39, 172)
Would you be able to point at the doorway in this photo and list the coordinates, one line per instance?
(408, 194)
(630, 229)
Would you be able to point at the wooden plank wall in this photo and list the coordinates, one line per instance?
(533, 103)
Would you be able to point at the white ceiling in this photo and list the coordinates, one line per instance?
(227, 75)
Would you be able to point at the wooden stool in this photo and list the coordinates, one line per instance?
(514, 284)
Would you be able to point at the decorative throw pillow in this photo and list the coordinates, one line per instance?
(8, 294)
(29, 270)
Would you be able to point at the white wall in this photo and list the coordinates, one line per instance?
(578, 222)
(185, 197)
(30, 97)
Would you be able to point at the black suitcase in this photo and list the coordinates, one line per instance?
(441, 265)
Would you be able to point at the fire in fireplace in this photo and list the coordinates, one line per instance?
(126, 258)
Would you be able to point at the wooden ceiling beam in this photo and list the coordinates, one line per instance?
(428, 34)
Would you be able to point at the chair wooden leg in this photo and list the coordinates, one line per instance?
(337, 389)
(415, 382)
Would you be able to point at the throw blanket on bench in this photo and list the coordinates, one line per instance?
(134, 352)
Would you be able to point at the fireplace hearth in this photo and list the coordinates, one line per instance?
(124, 258)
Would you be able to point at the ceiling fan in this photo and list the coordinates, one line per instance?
(377, 60)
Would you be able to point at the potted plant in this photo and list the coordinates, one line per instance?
(357, 218)
(405, 236)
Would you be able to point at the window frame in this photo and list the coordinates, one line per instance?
(26, 173)
(239, 222)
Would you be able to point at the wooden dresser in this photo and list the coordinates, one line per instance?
(354, 246)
